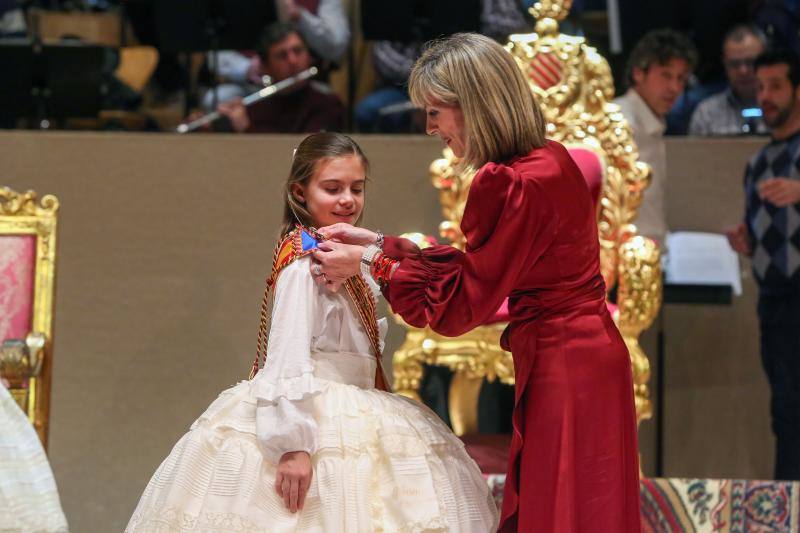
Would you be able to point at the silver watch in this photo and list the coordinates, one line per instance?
(367, 258)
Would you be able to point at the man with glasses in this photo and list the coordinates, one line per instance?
(734, 111)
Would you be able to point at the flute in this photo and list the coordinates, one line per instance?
(250, 99)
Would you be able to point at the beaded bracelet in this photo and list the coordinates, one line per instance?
(382, 268)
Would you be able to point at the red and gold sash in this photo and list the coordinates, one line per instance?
(300, 242)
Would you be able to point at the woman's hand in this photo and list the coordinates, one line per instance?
(293, 479)
(335, 262)
(348, 234)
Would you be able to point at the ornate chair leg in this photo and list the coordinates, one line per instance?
(638, 300)
(463, 403)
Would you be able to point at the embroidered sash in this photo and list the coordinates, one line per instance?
(300, 242)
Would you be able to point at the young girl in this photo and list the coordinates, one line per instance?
(314, 442)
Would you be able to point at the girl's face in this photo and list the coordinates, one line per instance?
(335, 192)
(447, 121)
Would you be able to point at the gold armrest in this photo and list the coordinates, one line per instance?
(21, 364)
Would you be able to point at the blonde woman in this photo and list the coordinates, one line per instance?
(531, 237)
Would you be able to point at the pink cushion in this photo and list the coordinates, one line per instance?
(501, 315)
(17, 260)
(591, 168)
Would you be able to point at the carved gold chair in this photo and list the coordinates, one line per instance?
(573, 84)
(27, 278)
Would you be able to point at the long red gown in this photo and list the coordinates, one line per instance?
(532, 236)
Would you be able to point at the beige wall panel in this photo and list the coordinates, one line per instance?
(717, 400)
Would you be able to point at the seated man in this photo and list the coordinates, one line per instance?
(728, 112)
(307, 107)
(322, 24)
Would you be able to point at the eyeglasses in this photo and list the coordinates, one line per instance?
(738, 63)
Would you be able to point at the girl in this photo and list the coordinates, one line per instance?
(312, 443)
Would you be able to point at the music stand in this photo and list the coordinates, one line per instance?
(16, 91)
(74, 79)
(418, 20)
(210, 26)
(53, 81)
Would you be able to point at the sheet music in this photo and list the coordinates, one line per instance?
(696, 258)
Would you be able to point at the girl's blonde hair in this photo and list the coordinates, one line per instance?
(501, 115)
(314, 149)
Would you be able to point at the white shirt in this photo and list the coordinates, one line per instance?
(648, 133)
(315, 337)
(327, 32)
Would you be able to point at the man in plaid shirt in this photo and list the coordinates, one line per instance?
(770, 236)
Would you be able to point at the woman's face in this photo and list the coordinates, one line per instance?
(447, 121)
(335, 192)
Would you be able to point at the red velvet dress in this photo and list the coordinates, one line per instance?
(532, 237)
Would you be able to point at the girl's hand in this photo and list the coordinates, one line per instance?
(293, 479)
(335, 262)
(348, 234)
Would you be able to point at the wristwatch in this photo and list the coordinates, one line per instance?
(367, 258)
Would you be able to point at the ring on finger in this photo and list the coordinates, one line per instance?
(318, 270)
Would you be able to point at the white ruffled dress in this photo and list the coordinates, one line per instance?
(29, 500)
(381, 462)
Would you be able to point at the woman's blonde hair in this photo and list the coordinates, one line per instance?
(501, 115)
(314, 149)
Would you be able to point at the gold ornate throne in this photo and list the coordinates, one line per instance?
(27, 280)
(573, 84)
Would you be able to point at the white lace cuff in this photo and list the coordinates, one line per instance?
(294, 386)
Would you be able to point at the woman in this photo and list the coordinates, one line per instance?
(531, 236)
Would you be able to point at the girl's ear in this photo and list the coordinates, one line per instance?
(299, 192)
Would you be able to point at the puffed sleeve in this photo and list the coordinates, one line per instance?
(285, 387)
(508, 221)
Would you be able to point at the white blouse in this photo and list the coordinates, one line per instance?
(313, 335)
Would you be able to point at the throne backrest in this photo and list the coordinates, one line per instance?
(574, 86)
(27, 280)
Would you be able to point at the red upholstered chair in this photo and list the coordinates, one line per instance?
(27, 273)
(577, 107)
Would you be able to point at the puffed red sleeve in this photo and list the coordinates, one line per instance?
(508, 221)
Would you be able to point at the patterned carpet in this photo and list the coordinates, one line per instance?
(711, 505)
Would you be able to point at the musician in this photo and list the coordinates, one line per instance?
(307, 107)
